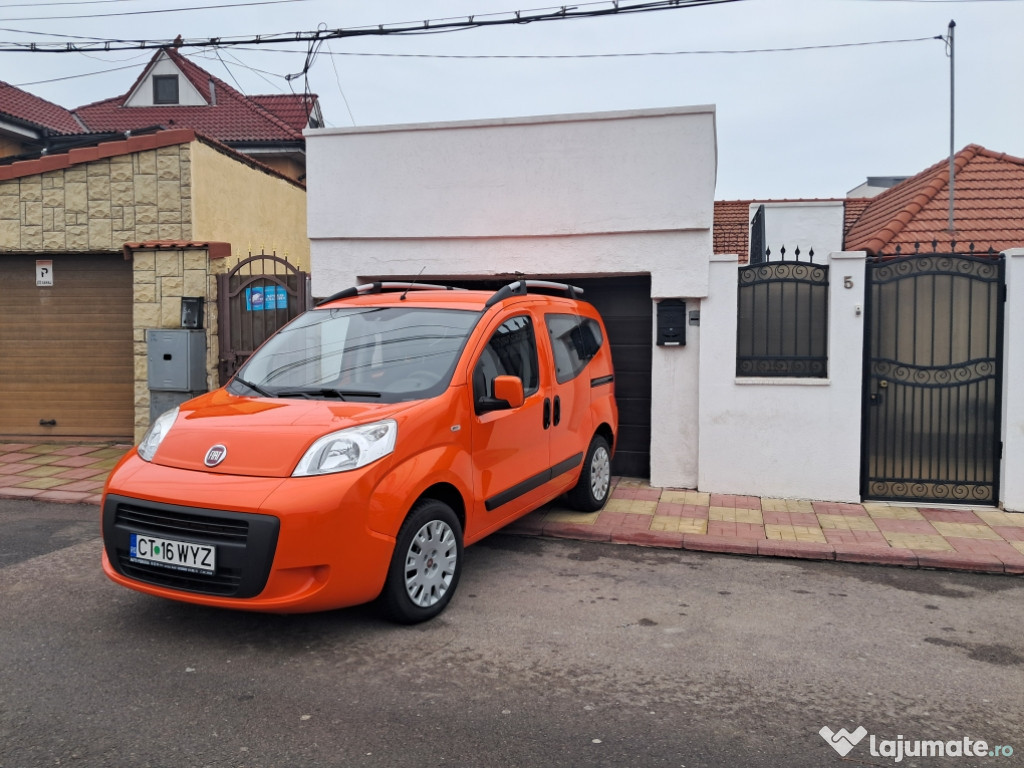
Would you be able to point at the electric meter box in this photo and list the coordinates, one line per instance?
(176, 360)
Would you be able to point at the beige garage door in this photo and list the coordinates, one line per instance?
(66, 367)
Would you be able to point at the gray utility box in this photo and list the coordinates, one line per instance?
(177, 360)
(176, 367)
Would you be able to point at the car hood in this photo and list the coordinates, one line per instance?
(260, 437)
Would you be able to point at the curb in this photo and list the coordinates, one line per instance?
(869, 554)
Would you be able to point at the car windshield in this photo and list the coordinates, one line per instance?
(385, 354)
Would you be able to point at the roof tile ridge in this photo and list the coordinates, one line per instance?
(112, 99)
(999, 155)
(939, 179)
(196, 74)
(906, 214)
(184, 62)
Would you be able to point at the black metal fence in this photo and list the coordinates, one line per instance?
(782, 328)
(258, 296)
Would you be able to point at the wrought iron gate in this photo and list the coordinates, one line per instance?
(254, 299)
(933, 378)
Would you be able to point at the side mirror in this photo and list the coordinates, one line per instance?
(510, 390)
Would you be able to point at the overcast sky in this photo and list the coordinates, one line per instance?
(790, 124)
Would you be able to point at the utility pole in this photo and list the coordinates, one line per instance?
(952, 115)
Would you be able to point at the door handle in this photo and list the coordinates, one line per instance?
(558, 409)
(547, 412)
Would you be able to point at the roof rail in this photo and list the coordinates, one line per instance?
(521, 287)
(381, 287)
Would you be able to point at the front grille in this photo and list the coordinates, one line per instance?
(245, 545)
(177, 524)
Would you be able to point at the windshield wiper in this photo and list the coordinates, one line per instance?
(255, 388)
(341, 394)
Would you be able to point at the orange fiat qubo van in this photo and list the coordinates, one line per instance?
(363, 445)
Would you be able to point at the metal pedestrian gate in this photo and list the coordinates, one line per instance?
(258, 296)
(933, 378)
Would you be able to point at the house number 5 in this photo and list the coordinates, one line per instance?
(848, 282)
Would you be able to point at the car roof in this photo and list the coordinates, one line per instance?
(447, 297)
(468, 300)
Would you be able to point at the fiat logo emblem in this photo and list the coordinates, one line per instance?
(215, 455)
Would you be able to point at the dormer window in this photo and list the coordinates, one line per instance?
(165, 89)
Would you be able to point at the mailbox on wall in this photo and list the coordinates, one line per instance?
(671, 323)
(177, 360)
(176, 367)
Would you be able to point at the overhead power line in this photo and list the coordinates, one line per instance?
(582, 11)
(632, 54)
(242, 4)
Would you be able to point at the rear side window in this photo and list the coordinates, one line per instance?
(574, 341)
(512, 351)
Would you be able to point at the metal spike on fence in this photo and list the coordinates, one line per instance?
(899, 249)
(952, 246)
(796, 253)
(782, 251)
(972, 249)
(810, 255)
(767, 254)
(935, 246)
(917, 247)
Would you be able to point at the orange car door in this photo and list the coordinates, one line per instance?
(510, 445)
(572, 347)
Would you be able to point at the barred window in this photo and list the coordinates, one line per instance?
(783, 320)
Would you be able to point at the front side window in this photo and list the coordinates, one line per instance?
(165, 89)
(574, 342)
(387, 354)
(512, 351)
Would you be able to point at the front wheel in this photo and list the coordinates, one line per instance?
(592, 489)
(426, 564)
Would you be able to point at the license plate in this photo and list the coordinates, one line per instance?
(179, 555)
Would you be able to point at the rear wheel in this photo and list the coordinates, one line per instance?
(592, 489)
(426, 564)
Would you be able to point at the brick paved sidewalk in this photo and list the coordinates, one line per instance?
(57, 471)
(959, 538)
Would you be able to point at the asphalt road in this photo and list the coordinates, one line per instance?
(553, 653)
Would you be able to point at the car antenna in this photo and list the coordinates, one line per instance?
(409, 287)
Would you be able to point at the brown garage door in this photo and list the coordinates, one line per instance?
(66, 367)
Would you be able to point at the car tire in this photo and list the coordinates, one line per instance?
(426, 564)
(595, 483)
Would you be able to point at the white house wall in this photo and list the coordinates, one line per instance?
(786, 438)
(1012, 486)
(639, 171)
(188, 96)
(595, 195)
(806, 225)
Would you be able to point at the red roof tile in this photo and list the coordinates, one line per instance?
(232, 118)
(26, 108)
(989, 207)
(731, 230)
(215, 249)
(105, 149)
(293, 108)
(89, 154)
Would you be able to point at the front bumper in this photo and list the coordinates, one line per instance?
(283, 545)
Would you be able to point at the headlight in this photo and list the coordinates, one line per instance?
(156, 433)
(348, 449)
